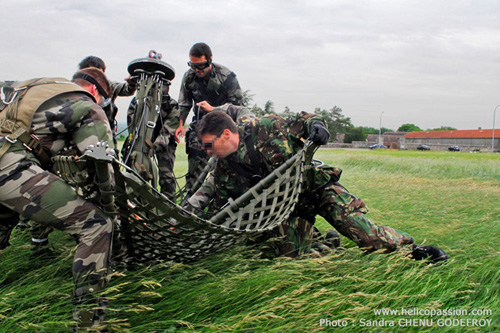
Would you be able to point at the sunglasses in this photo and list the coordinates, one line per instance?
(198, 65)
(210, 145)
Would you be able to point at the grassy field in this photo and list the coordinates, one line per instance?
(446, 199)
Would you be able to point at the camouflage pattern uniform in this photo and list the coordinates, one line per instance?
(275, 140)
(222, 87)
(164, 141)
(40, 232)
(29, 189)
(117, 89)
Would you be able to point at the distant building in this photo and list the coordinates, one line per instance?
(340, 138)
(466, 140)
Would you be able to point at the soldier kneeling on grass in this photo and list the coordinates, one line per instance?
(255, 147)
(39, 119)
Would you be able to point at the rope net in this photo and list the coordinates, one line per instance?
(153, 228)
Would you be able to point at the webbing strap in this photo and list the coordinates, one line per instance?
(30, 142)
(153, 113)
(15, 132)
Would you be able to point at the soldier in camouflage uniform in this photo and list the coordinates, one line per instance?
(64, 116)
(40, 233)
(207, 84)
(236, 112)
(255, 147)
(123, 89)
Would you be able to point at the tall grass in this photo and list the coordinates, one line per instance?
(446, 199)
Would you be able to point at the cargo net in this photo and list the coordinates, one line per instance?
(153, 228)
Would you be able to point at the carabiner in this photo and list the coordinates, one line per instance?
(4, 97)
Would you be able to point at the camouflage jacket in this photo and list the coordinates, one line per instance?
(120, 89)
(274, 140)
(69, 120)
(222, 87)
(236, 112)
(117, 89)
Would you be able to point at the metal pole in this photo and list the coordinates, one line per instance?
(493, 135)
(380, 130)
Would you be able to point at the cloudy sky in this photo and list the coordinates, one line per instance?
(427, 62)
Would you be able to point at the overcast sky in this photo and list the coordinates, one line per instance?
(431, 63)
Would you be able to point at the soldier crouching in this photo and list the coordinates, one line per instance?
(39, 119)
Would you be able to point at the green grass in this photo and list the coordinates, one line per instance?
(446, 199)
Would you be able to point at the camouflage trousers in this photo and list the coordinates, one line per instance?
(292, 238)
(42, 197)
(324, 196)
(166, 159)
(347, 213)
(197, 159)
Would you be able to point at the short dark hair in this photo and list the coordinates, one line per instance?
(92, 61)
(215, 122)
(97, 75)
(201, 49)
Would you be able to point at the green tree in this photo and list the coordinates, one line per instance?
(355, 134)
(287, 112)
(247, 98)
(409, 128)
(444, 128)
(373, 130)
(257, 111)
(335, 120)
(269, 108)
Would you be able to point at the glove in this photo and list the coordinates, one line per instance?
(319, 134)
(132, 82)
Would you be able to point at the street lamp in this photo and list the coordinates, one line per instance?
(380, 130)
(493, 135)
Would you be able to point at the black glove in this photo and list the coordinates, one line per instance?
(132, 82)
(319, 134)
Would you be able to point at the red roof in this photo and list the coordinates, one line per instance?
(477, 133)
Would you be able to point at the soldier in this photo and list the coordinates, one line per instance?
(235, 112)
(207, 84)
(126, 88)
(40, 233)
(41, 119)
(255, 147)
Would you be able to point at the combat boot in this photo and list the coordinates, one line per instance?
(332, 239)
(89, 304)
(433, 254)
(89, 311)
(40, 249)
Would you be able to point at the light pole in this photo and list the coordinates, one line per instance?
(493, 135)
(380, 130)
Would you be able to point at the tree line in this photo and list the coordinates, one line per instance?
(336, 121)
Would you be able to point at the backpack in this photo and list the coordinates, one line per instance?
(18, 104)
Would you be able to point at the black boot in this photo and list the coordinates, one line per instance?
(40, 249)
(324, 245)
(332, 239)
(433, 254)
